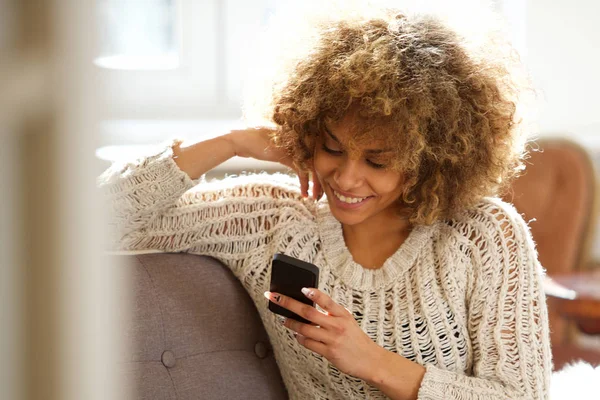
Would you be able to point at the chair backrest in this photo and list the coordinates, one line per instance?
(558, 190)
(193, 333)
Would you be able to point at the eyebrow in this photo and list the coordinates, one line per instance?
(369, 151)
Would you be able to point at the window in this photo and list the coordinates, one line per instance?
(177, 67)
(177, 59)
(186, 59)
(138, 34)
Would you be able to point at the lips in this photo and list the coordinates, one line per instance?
(346, 194)
(348, 199)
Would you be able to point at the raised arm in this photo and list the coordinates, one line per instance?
(137, 191)
(156, 205)
(197, 158)
(144, 189)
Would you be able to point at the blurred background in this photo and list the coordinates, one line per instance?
(87, 82)
(179, 68)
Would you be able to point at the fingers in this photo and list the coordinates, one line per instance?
(305, 178)
(304, 310)
(325, 302)
(306, 330)
(317, 190)
(313, 345)
(310, 313)
(303, 184)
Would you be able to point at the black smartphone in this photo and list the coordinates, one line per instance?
(288, 276)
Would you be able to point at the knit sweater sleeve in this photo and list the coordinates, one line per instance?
(507, 314)
(154, 205)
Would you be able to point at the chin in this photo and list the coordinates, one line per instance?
(348, 221)
(346, 217)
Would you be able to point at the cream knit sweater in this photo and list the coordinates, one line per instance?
(460, 297)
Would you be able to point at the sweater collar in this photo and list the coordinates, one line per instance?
(354, 275)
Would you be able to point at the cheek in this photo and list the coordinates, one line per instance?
(388, 185)
(322, 164)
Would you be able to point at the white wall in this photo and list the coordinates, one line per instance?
(563, 54)
(558, 39)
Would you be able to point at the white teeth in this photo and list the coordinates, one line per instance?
(348, 200)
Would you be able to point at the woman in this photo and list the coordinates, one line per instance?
(429, 284)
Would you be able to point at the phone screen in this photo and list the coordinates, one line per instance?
(288, 276)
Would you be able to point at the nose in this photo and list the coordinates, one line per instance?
(348, 175)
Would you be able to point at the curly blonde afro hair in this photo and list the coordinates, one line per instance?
(446, 104)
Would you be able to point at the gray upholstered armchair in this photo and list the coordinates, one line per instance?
(194, 333)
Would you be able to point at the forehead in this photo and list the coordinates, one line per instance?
(359, 132)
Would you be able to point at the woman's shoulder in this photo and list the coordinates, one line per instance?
(492, 217)
(488, 210)
(493, 235)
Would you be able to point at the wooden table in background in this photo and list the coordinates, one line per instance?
(576, 296)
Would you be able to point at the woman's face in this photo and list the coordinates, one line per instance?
(358, 187)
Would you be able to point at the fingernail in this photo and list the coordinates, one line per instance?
(307, 292)
(273, 296)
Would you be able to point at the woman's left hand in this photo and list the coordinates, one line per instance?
(334, 334)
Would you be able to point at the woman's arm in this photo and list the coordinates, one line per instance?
(145, 197)
(396, 376)
(138, 190)
(197, 158)
(507, 319)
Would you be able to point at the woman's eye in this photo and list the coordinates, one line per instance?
(339, 152)
(375, 165)
(331, 151)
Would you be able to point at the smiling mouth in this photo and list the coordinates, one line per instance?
(349, 200)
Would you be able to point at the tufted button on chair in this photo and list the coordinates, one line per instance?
(261, 349)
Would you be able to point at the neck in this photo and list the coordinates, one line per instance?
(372, 242)
(378, 227)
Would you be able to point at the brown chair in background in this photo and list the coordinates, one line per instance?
(557, 195)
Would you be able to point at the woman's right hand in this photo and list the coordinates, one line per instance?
(256, 143)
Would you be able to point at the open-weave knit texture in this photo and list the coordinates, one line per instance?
(461, 297)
